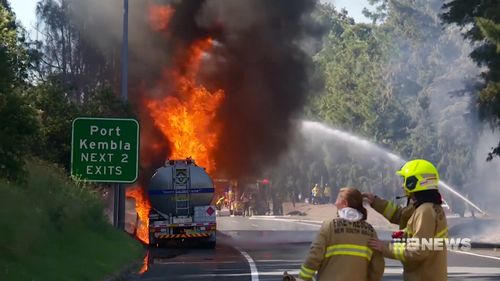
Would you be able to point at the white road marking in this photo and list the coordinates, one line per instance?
(283, 261)
(192, 262)
(271, 218)
(211, 275)
(253, 268)
(474, 254)
(456, 270)
(306, 222)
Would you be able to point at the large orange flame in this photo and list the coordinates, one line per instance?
(145, 264)
(142, 207)
(159, 16)
(187, 116)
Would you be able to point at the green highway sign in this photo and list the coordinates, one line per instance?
(105, 149)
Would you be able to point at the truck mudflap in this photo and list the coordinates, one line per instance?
(204, 239)
(183, 231)
(176, 236)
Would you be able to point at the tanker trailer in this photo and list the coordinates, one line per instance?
(181, 194)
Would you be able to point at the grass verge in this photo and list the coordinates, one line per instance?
(52, 229)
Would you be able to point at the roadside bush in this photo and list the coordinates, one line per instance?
(53, 229)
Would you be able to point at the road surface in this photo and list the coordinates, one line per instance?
(260, 249)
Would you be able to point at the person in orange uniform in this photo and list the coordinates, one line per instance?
(340, 250)
(424, 218)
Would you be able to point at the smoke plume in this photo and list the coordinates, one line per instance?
(258, 61)
(264, 72)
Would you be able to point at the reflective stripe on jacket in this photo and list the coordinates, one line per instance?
(340, 252)
(392, 212)
(425, 222)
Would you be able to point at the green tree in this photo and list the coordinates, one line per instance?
(57, 110)
(402, 83)
(354, 96)
(481, 22)
(429, 73)
(69, 54)
(16, 116)
(76, 78)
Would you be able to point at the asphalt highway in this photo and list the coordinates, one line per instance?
(262, 248)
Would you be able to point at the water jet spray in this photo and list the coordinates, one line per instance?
(352, 139)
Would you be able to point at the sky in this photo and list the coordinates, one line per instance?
(25, 10)
(354, 7)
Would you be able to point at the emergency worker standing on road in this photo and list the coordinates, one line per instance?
(327, 194)
(423, 219)
(220, 202)
(340, 250)
(315, 194)
(245, 199)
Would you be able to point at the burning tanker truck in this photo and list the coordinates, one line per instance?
(181, 194)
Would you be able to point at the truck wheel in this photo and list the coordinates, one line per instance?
(152, 241)
(211, 241)
(211, 244)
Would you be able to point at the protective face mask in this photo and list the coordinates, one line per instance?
(350, 214)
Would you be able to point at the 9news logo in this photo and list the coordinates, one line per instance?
(432, 244)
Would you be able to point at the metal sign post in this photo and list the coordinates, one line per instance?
(106, 150)
(120, 188)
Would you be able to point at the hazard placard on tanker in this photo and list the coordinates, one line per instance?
(105, 149)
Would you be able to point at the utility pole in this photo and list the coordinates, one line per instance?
(125, 52)
(119, 189)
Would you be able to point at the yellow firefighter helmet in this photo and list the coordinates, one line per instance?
(419, 175)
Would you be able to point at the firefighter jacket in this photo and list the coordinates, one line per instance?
(340, 252)
(245, 197)
(316, 191)
(328, 191)
(220, 202)
(426, 221)
(392, 212)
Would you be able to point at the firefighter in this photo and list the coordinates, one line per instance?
(424, 218)
(278, 204)
(230, 200)
(320, 195)
(315, 194)
(327, 194)
(340, 250)
(220, 202)
(245, 199)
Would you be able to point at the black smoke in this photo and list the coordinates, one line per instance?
(259, 60)
(264, 71)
